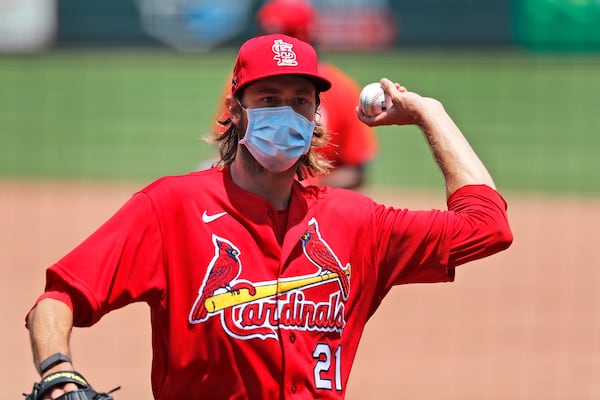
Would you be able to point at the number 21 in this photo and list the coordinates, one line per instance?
(324, 355)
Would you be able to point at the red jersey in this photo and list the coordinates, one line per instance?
(248, 302)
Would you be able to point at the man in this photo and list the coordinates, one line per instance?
(259, 287)
(352, 145)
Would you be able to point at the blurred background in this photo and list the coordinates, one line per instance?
(201, 25)
(128, 88)
(100, 97)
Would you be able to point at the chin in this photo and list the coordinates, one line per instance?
(283, 174)
(256, 168)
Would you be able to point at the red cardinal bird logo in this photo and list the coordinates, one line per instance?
(224, 268)
(319, 253)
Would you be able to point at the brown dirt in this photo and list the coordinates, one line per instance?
(524, 324)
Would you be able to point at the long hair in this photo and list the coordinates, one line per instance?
(312, 163)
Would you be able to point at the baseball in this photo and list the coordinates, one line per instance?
(373, 100)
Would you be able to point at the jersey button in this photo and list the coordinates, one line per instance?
(292, 337)
(293, 388)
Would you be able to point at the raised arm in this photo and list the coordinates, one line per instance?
(455, 157)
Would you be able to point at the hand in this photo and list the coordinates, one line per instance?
(58, 391)
(407, 108)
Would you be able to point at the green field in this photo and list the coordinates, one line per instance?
(141, 114)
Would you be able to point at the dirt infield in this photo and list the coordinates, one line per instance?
(524, 324)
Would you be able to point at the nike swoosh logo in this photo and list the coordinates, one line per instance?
(210, 218)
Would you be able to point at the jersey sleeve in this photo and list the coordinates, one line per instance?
(480, 225)
(426, 246)
(118, 264)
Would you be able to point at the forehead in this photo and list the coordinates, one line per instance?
(282, 83)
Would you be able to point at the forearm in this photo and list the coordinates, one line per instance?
(455, 157)
(50, 324)
(452, 152)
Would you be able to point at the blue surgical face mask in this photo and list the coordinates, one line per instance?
(277, 136)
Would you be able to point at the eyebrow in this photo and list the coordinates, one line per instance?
(267, 89)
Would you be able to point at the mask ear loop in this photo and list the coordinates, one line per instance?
(239, 101)
(238, 132)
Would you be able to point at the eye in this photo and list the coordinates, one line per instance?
(269, 100)
(301, 101)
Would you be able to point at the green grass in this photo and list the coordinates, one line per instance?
(138, 114)
(99, 114)
(533, 119)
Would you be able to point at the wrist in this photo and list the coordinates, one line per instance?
(53, 361)
(428, 111)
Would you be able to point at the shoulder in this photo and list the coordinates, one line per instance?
(191, 184)
(185, 181)
(345, 200)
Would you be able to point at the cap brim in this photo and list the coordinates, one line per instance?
(321, 84)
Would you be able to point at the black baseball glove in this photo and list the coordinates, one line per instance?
(59, 378)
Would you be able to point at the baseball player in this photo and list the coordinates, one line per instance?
(352, 145)
(260, 287)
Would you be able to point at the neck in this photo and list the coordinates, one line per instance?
(248, 174)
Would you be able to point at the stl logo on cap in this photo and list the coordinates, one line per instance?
(284, 54)
(276, 54)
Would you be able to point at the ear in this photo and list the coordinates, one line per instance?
(234, 108)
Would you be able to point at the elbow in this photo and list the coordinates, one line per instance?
(502, 237)
(481, 240)
(29, 318)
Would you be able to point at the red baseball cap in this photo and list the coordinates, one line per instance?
(277, 54)
(291, 17)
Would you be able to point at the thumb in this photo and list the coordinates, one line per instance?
(390, 87)
(387, 86)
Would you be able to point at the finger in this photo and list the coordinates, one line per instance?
(70, 387)
(391, 90)
(388, 86)
(60, 390)
(364, 117)
(54, 393)
(371, 120)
